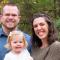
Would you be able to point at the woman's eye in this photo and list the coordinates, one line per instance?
(34, 26)
(41, 24)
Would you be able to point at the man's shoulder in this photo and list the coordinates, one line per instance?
(1, 31)
(27, 35)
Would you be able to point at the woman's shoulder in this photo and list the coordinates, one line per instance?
(55, 46)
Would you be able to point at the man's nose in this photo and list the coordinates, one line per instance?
(10, 16)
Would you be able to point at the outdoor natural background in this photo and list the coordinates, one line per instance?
(29, 7)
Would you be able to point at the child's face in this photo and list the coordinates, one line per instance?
(16, 44)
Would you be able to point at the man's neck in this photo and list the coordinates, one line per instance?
(7, 31)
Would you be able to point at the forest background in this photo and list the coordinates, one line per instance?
(29, 7)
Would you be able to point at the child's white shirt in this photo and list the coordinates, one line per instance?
(24, 55)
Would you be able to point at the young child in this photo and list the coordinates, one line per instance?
(18, 45)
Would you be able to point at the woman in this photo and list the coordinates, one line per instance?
(44, 38)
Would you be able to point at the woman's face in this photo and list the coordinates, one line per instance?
(40, 27)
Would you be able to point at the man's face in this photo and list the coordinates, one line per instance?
(10, 17)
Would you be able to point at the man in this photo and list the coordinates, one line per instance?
(9, 20)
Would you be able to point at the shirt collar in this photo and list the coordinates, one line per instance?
(2, 32)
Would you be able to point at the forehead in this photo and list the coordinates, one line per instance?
(39, 20)
(17, 37)
(10, 9)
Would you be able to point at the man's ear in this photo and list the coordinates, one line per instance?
(19, 16)
(0, 18)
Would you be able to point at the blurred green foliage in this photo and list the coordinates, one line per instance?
(29, 7)
(57, 23)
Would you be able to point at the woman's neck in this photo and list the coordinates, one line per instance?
(44, 43)
(44, 46)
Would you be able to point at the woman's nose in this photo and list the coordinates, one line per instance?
(38, 27)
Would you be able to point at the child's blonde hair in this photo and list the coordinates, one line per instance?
(12, 35)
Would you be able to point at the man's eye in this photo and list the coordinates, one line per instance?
(10, 14)
(7, 14)
(14, 15)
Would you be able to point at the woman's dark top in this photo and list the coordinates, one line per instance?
(50, 53)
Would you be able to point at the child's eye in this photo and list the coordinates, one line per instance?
(20, 41)
(14, 42)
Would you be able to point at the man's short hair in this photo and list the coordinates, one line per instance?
(10, 4)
